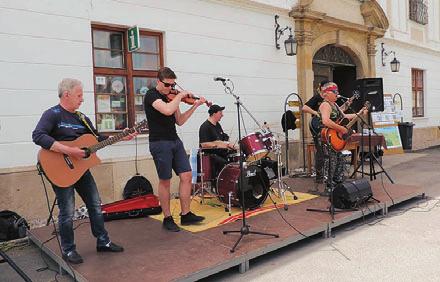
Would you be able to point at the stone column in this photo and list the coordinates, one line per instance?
(371, 52)
(304, 58)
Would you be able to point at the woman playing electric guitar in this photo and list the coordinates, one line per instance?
(330, 113)
(312, 107)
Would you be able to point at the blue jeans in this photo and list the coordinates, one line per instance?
(86, 188)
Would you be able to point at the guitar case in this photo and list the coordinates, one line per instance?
(138, 185)
(140, 206)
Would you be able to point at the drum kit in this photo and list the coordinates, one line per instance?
(260, 172)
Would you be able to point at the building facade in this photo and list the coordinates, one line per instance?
(200, 39)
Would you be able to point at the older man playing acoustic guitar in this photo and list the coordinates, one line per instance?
(63, 123)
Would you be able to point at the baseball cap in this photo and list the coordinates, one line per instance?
(215, 108)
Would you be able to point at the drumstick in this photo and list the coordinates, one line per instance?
(230, 133)
(233, 145)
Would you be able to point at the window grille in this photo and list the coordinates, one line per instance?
(418, 11)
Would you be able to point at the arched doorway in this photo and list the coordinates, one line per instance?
(334, 64)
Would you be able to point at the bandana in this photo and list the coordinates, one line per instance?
(331, 86)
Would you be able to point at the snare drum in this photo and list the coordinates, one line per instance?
(255, 185)
(253, 147)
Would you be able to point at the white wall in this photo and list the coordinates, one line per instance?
(44, 41)
(412, 53)
(401, 82)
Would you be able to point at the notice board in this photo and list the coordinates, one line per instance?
(386, 123)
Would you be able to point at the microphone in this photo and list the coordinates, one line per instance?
(342, 97)
(221, 79)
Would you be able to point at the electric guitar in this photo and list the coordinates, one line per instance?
(315, 123)
(64, 171)
(336, 139)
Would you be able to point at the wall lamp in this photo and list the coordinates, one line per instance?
(395, 64)
(290, 44)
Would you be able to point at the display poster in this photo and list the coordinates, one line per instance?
(140, 117)
(116, 104)
(107, 123)
(386, 123)
(103, 103)
(392, 136)
(100, 80)
(138, 100)
(390, 115)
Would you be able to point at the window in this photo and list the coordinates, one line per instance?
(418, 108)
(418, 11)
(122, 78)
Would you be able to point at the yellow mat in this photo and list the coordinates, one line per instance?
(214, 211)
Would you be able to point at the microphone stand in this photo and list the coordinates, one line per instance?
(287, 131)
(245, 229)
(361, 164)
(371, 156)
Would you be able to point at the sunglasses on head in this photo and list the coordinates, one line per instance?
(172, 85)
(334, 92)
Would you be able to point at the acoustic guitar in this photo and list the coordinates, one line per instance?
(315, 125)
(336, 139)
(64, 171)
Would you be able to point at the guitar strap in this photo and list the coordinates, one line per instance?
(83, 119)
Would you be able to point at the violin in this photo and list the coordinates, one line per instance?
(187, 100)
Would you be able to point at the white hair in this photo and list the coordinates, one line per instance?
(67, 84)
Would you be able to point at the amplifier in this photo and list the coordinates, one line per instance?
(352, 194)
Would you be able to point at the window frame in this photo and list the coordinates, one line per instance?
(416, 75)
(128, 72)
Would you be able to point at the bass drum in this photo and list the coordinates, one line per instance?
(255, 185)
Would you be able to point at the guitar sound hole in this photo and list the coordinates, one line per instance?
(87, 151)
(68, 161)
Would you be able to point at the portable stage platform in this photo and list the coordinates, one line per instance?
(152, 253)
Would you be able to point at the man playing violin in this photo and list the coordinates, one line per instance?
(330, 113)
(213, 140)
(166, 147)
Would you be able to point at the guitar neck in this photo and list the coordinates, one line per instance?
(346, 103)
(110, 140)
(355, 119)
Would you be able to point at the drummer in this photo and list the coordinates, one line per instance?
(213, 140)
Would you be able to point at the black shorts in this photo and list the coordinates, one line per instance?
(169, 155)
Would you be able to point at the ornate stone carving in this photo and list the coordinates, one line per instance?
(304, 37)
(371, 46)
(374, 15)
(333, 54)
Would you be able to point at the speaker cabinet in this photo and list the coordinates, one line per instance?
(371, 90)
(352, 194)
